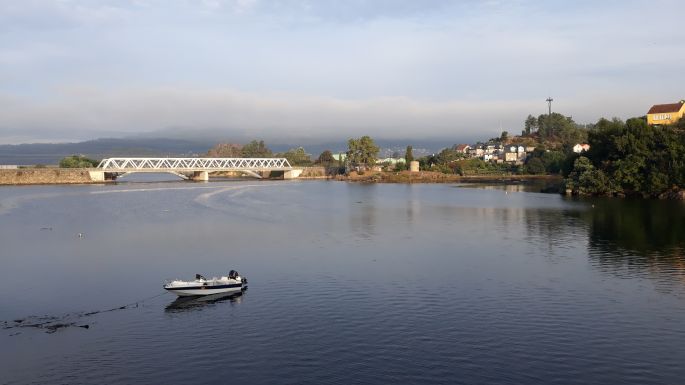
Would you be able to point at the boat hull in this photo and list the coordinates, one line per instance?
(205, 290)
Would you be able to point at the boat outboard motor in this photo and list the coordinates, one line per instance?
(199, 276)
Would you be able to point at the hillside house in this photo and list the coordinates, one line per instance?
(514, 154)
(581, 147)
(462, 148)
(663, 114)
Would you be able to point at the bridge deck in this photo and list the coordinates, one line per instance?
(193, 164)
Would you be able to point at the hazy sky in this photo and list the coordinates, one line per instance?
(326, 69)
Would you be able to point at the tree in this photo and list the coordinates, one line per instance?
(77, 161)
(558, 127)
(553, 161)
(297, 157)
(226, 150)
(632, 158)
(326, 158)
(585, 179)
(449, 155)
(409, 155)
(530, 125)
(362, 151)
(256, 149)
(504, 136)
(535, 166)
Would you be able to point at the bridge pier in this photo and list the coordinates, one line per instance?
(200, 176)
(97, 176)
(292, 174)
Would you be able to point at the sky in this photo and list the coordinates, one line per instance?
(301, 70)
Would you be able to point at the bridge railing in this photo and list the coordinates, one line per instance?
(197, 164)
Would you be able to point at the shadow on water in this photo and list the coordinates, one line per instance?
(637, 236)
(192, 303)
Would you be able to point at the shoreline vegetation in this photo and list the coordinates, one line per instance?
(610, 158)
(439, 177)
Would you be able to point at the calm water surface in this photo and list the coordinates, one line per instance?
(349, 283)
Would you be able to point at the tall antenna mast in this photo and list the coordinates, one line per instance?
(549, 117)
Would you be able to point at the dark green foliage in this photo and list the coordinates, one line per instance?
(535, 166)
(504, 136)
(445, 161)
(256, 149)
(401, 166)
(553, 161)
(567, 164)
(631, 158)
(585, 179)
(362, 151)
(409, 155)
(556, 127)
(77, 161)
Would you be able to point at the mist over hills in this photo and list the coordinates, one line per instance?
(51, 153)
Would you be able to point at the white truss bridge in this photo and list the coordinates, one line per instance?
(194, 168)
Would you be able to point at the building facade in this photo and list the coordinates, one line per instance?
(663, 114)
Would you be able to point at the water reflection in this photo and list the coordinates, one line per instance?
(363, 206)
(183, 304)
(630, 237)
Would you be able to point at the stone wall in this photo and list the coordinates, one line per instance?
(312, 172)
(44, 176)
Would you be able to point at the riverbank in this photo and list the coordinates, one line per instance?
(31, 176)
(438, 177)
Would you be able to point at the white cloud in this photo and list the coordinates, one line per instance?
(315, 68)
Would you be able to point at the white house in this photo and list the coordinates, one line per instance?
(578, 148)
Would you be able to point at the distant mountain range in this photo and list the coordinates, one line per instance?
(51, 153)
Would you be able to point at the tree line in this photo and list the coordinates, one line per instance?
(624, 159)
(630, 158)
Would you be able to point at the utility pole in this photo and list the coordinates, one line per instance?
(549, 116)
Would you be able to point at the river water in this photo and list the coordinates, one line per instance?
(349, 283)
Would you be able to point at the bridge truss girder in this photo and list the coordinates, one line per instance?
(250, 165)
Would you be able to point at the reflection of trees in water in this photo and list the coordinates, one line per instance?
(558, 229)
(631, 237)
(362, 210)
(628, 238)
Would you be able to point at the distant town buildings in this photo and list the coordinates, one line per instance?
(463, 148)
(391, 161)
(662, 114)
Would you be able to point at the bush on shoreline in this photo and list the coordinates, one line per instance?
(77, 161)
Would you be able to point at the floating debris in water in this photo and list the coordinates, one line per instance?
(46, 228)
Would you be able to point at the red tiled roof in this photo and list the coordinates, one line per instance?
(663, 108)
(462, 147)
